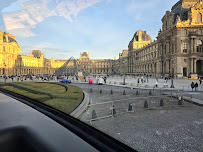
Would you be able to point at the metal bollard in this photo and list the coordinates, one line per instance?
(111, 91)
(91, 90)
(124, 92)
(180, 101)
(100, 90)
(94, 115)
(145, 104)
(113, 111)
(161, 103)
(150, 92)
(130, 107)
(137, 93)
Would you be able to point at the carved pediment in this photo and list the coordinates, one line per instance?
(197, 6)
(182, 23)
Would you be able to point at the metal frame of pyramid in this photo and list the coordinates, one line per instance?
(70, 67)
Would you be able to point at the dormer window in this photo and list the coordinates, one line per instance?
(199, 17)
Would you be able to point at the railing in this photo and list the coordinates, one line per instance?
(161, 100)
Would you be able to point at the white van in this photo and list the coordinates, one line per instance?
(100, 81)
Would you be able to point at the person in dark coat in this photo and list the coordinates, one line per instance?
(196, 86)
(200, 81)
(192, 85)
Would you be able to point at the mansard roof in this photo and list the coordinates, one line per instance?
(144, 35)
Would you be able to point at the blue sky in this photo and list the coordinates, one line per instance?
(101, 27)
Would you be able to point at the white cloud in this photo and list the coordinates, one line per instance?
(25, 33)
(34, 12)
(39, 46)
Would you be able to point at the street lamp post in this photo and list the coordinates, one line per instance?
(124, 79)
(4, 72)
(172, 85)
(124, 73)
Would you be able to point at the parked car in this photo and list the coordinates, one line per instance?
(65, 81)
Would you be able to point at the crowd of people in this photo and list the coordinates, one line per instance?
(195, 85)
(29, 78)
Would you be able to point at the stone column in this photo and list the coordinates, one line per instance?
(192, 45)
(195, 66)
(195, 45)
(191, 65)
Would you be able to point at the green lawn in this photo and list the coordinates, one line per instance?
(63, 97)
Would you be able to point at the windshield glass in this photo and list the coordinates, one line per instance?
(130, 68)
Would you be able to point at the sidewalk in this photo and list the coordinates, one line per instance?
(192, 100)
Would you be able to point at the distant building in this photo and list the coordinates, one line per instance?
(12, 62)
(96, 66)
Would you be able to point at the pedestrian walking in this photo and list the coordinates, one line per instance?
(156, 84)
(200, 81)
(157, 79)
(192, 85)
(196, 86)
(105, 79)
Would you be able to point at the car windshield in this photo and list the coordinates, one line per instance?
(132, 69)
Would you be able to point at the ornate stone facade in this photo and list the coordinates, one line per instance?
(12, 62)
(96, 66)
(178, 50)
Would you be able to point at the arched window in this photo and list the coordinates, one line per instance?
(199, 17)
(184, 46)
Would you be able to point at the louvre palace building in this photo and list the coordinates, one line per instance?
(177, 52)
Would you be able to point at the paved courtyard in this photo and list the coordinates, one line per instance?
(154, 129)
(183, 84)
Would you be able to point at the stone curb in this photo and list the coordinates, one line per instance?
(193, 100)
(81, 108)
